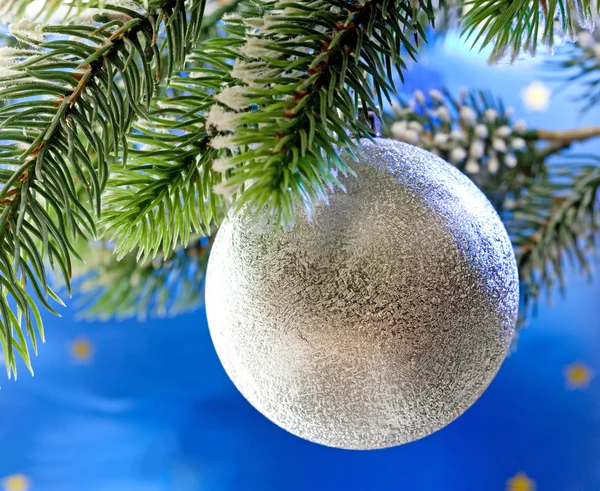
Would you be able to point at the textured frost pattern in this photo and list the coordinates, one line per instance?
(380, 320)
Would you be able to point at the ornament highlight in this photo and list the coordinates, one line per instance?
(381, 318)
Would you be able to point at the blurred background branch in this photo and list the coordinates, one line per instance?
(545, 195)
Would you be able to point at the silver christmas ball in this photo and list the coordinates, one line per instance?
(378, 320)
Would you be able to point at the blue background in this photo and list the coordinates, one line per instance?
(153, 410)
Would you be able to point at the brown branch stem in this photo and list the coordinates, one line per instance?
(569, 136)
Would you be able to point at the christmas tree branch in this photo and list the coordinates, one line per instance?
(578, 64)
(72, 95)
(308, 112)
(270, 103)
(512, 26)
(61, 11)
(550, 211)
(556, 218)
(476, 133)
(164, 194)
(112, 288)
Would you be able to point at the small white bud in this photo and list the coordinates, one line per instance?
(472, 166)
(596, 51)
(457, 135)
(477, 149)
(221, 142)
(404, 131)
(436, 95)
(222, 120)
(87, 16)
(222, 164)
(468, 115)
(409, 136)
(259, 48)
(499, 145)
(236, 97)
(419, 96)
(518, 143)
(458, 155)
(252, 72)
(398, 128)
(493, 164)
(440, 139)
(510, 161)
(443, 114)
(490, 115)
(415, 125)
(520, 126)
(503, 131)
(510, 110)
(481, 131)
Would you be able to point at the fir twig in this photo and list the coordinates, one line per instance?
(549, 208)
(512, 26)
(265, 111)
(112, 288)
(557, 219)
(66, 118)
(578, 63)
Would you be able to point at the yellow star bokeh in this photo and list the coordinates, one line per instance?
(578, 376)
(536, 96)
(16, 482)
(520, 482)
(81, 350)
